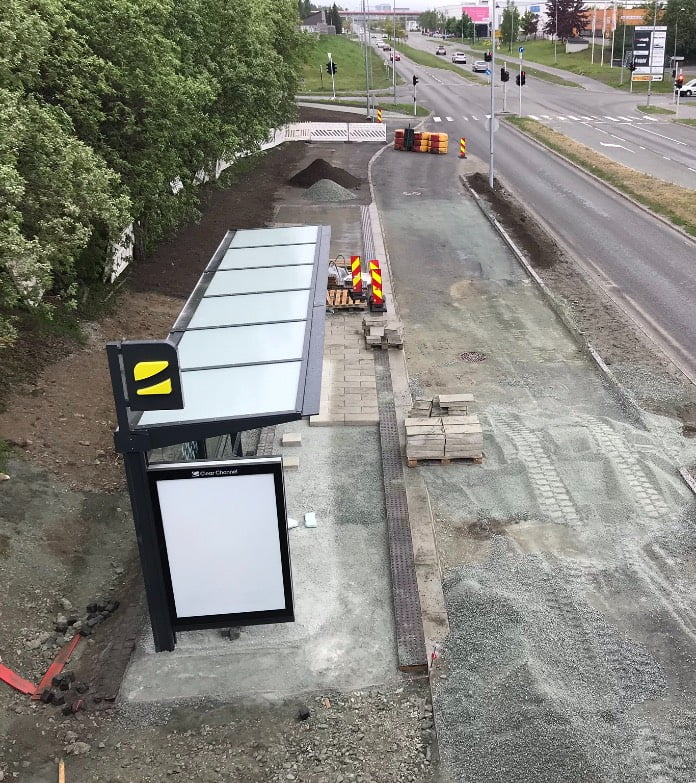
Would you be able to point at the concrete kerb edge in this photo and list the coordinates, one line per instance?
(560, 312)
(613, 189)
(429, 573)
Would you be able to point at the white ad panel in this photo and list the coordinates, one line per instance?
(223, 545)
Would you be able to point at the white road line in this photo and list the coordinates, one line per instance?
(640, 148)
(618, 138)
(690, 169)
(559, 117)
(652, 119)
(587, 118)
(620, 146)
(437, 119)
(449, 119)
(533, 117)
(570, 117)
(664, 157)
(662, 136)
(474, 117)
(546, 116)
(612, 119)
(465, 118)
(628, 119)
(601, 130)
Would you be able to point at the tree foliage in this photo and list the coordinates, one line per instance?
(510, 24)
(529, 23)
(565, 18)
(103, 103)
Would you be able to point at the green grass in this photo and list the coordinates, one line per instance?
(580, 63)
(687, 122)
(654, 110)
(672, 201)
(385, 103)
(349, 58)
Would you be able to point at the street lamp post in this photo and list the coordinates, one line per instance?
(555, 34)
(491, 130)
(650, 54)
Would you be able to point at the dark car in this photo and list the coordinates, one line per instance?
(441, 50)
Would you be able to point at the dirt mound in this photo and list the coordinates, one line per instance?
(319, 169)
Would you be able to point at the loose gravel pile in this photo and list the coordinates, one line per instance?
(328, 190)
(319, 169)
(541, 688)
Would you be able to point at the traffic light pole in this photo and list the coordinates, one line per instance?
(519, 114)
(491, 130)
(415, 82)
(504, 90)
(333, 81)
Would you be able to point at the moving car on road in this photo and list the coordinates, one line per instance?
(687, 89)
(395, 56)
(441, 50)
(480, 66)
(459, 57)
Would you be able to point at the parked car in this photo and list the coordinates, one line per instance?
(395, 57)
(441, 50)
(687, 89)
(480, 66)
(459, 57)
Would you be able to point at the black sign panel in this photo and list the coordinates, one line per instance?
(153, 380)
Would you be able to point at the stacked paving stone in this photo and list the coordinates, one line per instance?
(441, 428)
(381, 333)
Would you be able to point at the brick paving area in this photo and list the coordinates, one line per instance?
(348, 389)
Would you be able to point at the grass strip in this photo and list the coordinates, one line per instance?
(673, 202)
(385, 105)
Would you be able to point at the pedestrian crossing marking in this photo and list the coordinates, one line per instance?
(437, 119)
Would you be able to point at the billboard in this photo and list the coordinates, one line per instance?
(222, 528)
(649, 53)
(478, 14)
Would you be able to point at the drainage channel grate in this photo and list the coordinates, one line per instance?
(407, 610)
(473, 356)
(266, 442)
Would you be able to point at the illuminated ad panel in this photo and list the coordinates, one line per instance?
(223, 533)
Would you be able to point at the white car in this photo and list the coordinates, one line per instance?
(687, 89)
(480, 66)
(459, 57)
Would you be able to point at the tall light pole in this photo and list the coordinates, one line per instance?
(676, 28)
(555, 34)
(650, 55)
(491, 130)
(613, 30)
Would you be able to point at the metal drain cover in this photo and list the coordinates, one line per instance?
(473, 356)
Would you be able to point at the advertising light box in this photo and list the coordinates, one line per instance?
(223, 536)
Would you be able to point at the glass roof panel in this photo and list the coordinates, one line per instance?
(241, 344)
(250, 308)
(242, 281)
(232, 392)
(283, 255)
(292, 235)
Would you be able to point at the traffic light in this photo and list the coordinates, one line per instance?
(331, 67)
(488, 56)
(632, 66)
(328, 67)
(679, 81)
(523, 77)
(517, 80)
(415, 80)
(504, 75)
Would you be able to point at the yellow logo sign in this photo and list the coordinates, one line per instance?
(146, 370)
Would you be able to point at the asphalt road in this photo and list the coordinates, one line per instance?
(604, 119)
(643, 264)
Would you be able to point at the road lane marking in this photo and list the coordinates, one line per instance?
(628, 119)
(662, 136)
(588, 119)
(437, 119)
(609, 144)
(618, 138)
(601, 130)
(533, 117)
(449, 119)
(570, 117)
(690, 169)
(474, 117)
(607, 117)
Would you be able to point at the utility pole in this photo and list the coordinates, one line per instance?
(650, 55)
(491, 130)
(393, 51)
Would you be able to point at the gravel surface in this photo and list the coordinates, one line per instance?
(328, 190)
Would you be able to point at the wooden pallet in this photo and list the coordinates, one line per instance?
(339, 299)
(413, 463)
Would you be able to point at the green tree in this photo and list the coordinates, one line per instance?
(565, 18)
(428, 20)
(529, 23)
(510, 25)
(680, 18)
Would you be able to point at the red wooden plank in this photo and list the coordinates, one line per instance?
(59, 662)
(17, 682)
